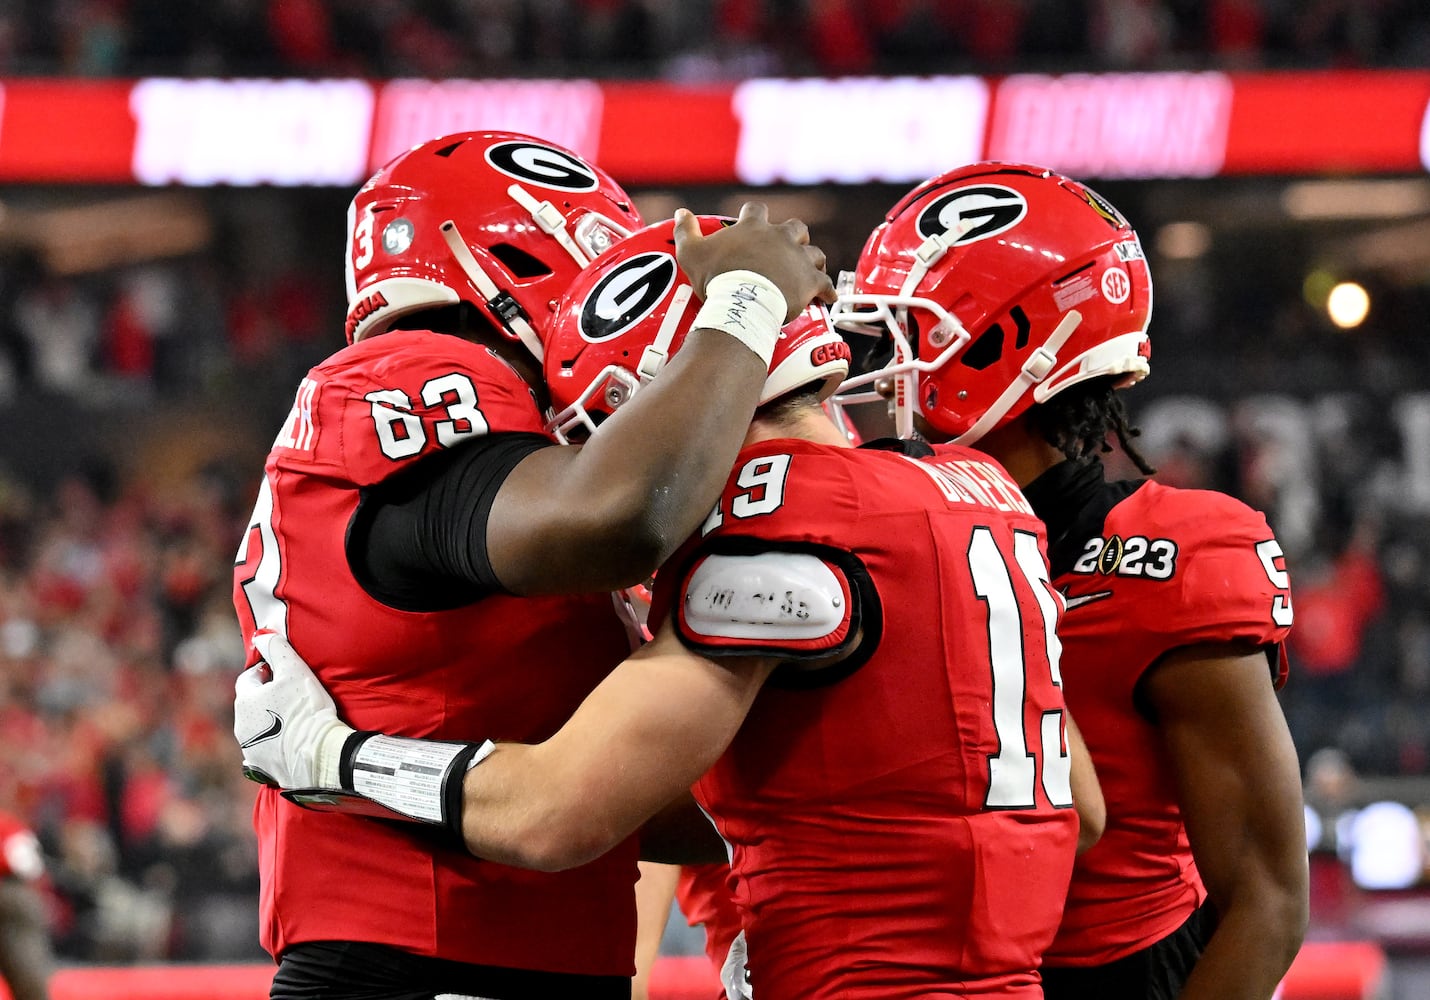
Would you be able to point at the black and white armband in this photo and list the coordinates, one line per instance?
(397, 777)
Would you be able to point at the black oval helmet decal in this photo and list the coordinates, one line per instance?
(973, 213)
(545, 166)
(626, 296)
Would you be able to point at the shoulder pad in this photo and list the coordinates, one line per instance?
(781, 599)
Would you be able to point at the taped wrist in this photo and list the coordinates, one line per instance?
(748, 307)
(418, 780)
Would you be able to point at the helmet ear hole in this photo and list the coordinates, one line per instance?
(985, 351)
(520, 263)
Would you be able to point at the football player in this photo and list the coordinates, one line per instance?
(419, 530)
(1018, 301)
(862, 642)
(26, 959)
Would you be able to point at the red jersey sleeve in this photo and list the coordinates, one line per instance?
(767, 575)
(1230, 582)
(384, 403)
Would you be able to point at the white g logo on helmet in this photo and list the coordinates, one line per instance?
(543, 166)
(973, 213)
(626, 296)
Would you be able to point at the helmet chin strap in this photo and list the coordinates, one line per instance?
(487, 288)
(654, 356)
(551, 221)
(1035, 369)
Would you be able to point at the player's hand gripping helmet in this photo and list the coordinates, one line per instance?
(1000, 284)
(625, 316)
(500, 220)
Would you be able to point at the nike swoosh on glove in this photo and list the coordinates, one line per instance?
(285, 721)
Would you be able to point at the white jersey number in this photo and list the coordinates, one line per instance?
(1270, 554)
(762, 491)
(259, 551)
(1013, 771)
(399, 431)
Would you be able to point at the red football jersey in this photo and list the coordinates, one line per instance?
(902, 825)
(1166, 568)
(503, 667)
(703, 894)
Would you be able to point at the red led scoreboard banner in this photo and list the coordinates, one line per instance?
(163, 131)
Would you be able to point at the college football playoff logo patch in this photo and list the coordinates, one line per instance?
(626, 296)
(973, 213)
(543, 166)
(1111, 556)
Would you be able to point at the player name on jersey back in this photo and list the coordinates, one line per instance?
(970, 481)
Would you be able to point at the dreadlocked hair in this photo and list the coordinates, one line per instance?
(1078, 421)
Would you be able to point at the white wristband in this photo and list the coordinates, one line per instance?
(747, 306)
(410, 776)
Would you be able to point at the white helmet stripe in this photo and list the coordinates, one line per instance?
(349, 276)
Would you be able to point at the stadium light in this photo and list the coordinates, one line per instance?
(1355, 199)
(1347, 305)
(1184, 240)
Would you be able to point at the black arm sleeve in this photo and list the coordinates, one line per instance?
(418, 542)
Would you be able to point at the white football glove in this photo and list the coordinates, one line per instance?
(285, 720)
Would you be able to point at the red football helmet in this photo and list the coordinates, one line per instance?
(1000, 284)
(623, 318)
(500, 220)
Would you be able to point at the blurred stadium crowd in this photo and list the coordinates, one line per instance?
(696, 38)
(117, 638)
(118, 747)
